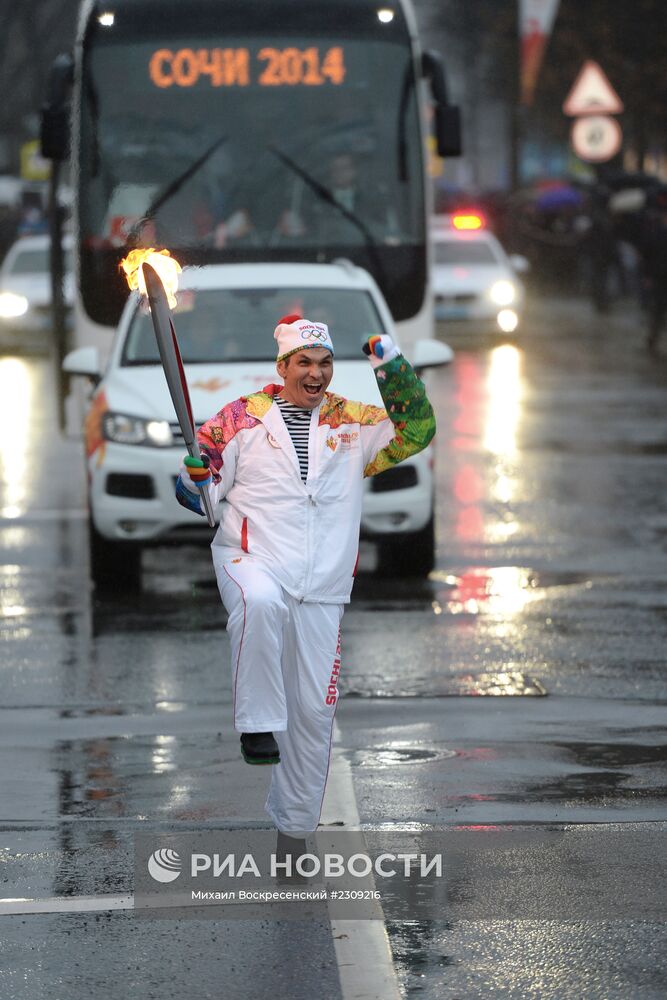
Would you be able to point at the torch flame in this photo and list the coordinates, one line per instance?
(167, 268)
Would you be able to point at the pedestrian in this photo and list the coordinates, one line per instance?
(286, 466)
(653, 250)
(602, 250)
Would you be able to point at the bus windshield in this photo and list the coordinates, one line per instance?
(273, 142)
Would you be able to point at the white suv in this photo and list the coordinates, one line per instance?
(26, 319)
(474, 280)
(224, 321)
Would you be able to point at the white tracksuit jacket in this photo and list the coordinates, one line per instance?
(307, 533)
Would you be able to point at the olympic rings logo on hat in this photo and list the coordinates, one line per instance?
(312, 333)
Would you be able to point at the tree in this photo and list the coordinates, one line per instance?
(32, 33)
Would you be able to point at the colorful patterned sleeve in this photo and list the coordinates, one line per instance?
(409, 410)
(215, 437)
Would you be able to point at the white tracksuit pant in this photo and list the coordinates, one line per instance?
(285, 665)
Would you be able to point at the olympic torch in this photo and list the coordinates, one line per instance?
(150, 271)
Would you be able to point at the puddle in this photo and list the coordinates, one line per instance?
(436, 686)
(497, 590)
(122, 776)
(475, 589)
(389, 756)
(607, 755)
(534, 578)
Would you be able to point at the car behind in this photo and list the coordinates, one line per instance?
(474, 280)
(25, 294)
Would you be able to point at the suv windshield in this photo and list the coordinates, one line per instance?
(237, 324)
(464, 252)
(36, 262)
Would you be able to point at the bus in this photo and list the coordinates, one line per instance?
(246, 131)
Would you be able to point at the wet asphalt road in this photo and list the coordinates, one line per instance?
(520, 692)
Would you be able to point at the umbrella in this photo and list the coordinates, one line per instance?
(555, 198)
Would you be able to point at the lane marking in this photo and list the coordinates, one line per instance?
(363, 953)
(108, 902)
(66, 904)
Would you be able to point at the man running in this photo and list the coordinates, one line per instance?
(287, 466)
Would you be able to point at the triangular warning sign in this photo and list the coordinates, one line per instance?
(592, 94)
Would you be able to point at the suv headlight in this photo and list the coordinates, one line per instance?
(12, 305)
(502, 293)
(123, 429)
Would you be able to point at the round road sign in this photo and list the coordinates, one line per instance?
(596, 138)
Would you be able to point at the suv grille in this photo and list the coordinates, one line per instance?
(127, 484)
(463, 298)
(400, 478)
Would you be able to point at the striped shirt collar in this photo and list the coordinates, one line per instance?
(291, 408)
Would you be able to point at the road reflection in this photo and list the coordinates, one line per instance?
(487, 419)
(488, 402)
(504, 393)
(489, 590)
(16, 406)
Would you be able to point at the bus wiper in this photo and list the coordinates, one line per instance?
(93, 106)
(406, 91)
(173, 188)
(324, 194)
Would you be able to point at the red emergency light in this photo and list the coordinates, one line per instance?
(468, 220)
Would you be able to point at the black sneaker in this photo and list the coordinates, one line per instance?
(259, 748)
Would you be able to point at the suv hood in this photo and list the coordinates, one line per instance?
(460, 279)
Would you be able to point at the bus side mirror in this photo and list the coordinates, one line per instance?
(54, 133)
(448, 130)
(84, 361)
(54, 128)
(447, 116)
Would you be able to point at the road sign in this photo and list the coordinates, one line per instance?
(33, 166)
(596, 138)
(592, 94)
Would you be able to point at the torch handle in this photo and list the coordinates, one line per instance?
(195, 452)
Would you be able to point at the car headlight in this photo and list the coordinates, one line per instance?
(502, 293)
(12, 305)
(123, 429)
(507, 320)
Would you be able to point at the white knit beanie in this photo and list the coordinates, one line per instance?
(294, 333)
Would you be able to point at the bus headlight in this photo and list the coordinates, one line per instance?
(124, 429)
(502, 293)
(12, 305)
